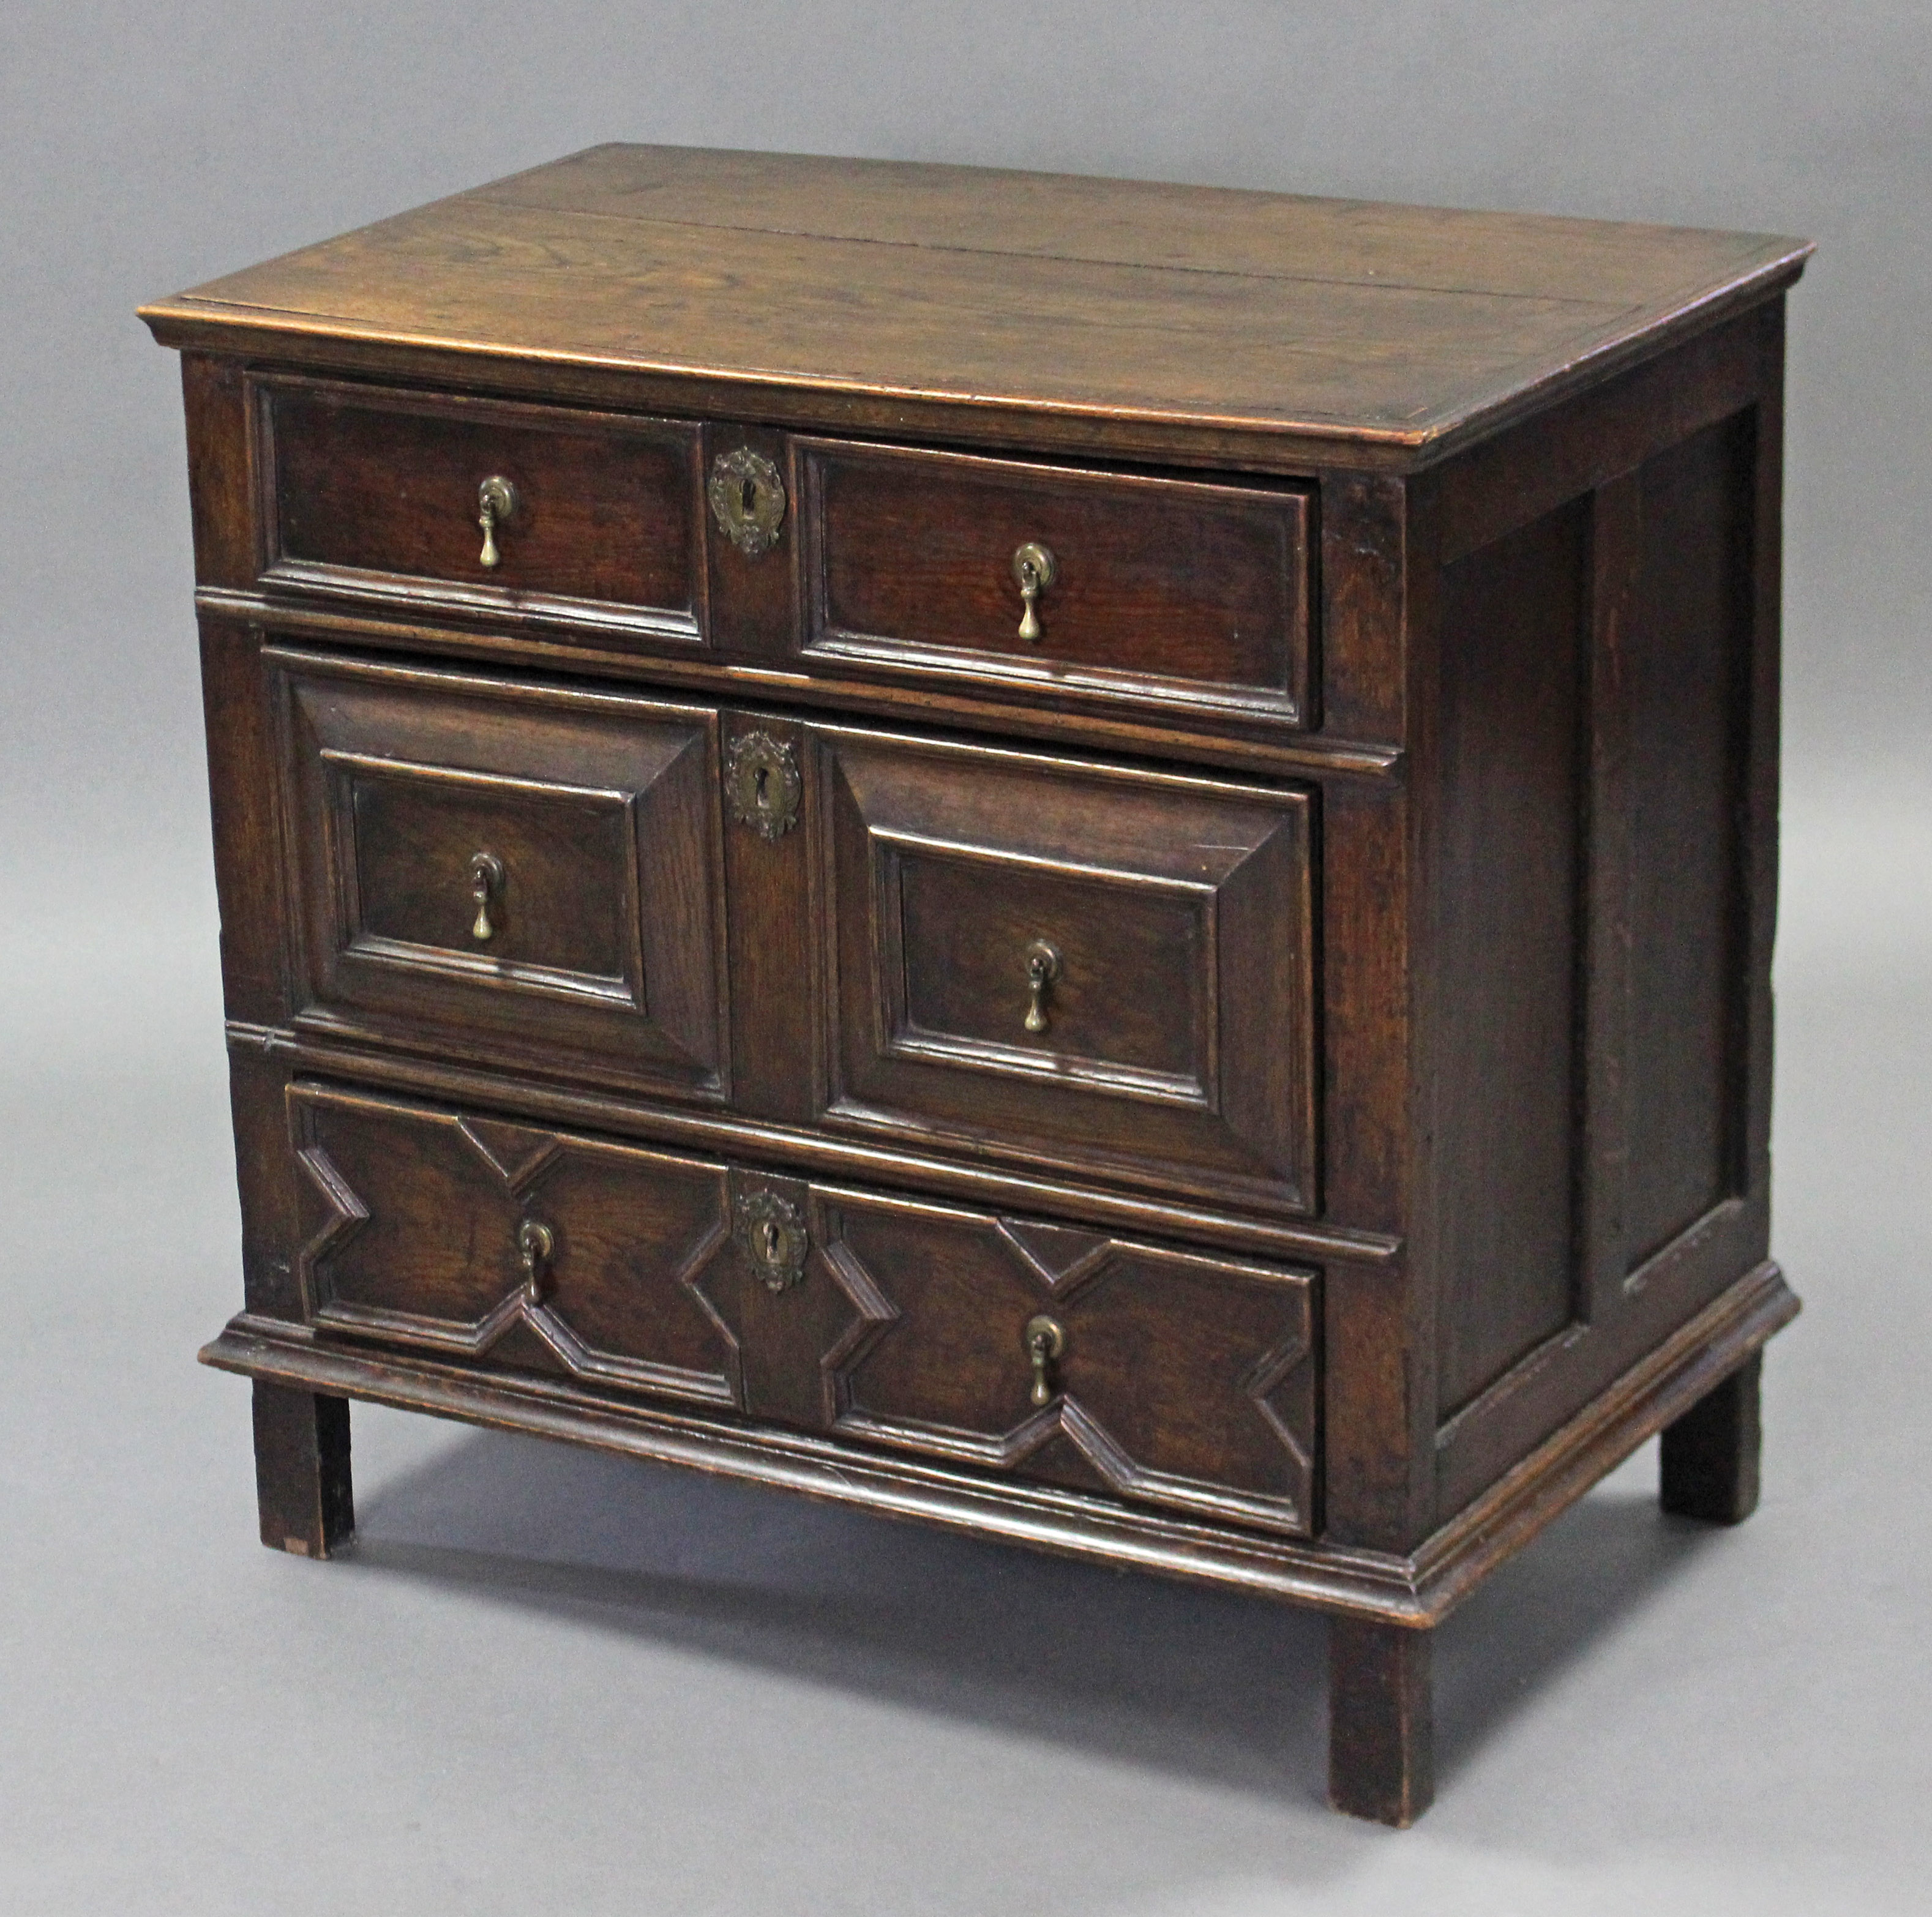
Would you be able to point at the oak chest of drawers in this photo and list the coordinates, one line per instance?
(1093, 862)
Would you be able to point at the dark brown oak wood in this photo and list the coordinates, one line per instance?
(380, 493)
(1381, 1728)
(1364, 556)
(418, 1230)
(1687, 665)
(887, 1162)
(301, 1470)
(754, 597)
(1709, 1456)
(1418, 1588)
(1224, 1426)
(1412, 326)
(905, 1323)
(591, 933)
(774, 956)
(1603, 1144)
(1164, 591)
(1263, 1076)
(268, 1180)
(1680, 899)
(222, 483)
(1269, 746)
(251, 886)
(1174, 1042)
(1505, 937)
(1531, 468)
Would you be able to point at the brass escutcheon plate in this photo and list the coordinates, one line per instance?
(772, 1231)
(763, 784)
(748, 500)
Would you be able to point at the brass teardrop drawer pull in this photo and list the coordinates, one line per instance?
(1045, 1345)
(496, 505)
(534, 1246)
(1034, 568)
(1043, 968)
(486, 887)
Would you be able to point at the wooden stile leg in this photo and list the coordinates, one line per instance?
(1710, 1457)
(302, 1470)
(1381, 1762)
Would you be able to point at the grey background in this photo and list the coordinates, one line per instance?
(545, 1681)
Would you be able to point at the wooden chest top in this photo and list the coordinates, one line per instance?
(1294, 329)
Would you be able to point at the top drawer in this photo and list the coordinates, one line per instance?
(1103, 587)
(593, 516)
(1179, 600)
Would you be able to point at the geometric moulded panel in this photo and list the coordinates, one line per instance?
(453, 1233)
(1182, 1381)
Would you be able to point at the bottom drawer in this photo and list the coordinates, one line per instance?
(1037, 1350)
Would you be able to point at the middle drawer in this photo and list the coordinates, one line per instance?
(1101, 970)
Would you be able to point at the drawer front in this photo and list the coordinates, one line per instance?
(1023, 1348)
(380, 494)
(1161, 1376)
(1172, 593)
(1106, 970)
(482, 1240)
(517, 872)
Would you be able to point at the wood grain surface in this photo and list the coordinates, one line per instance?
(386, 483)
(1326, 968)
(1271, 312)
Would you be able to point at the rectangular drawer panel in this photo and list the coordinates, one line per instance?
(1020, 1348)
(518, 872)
(377, 493)
(1169, 592)
(1104, 969)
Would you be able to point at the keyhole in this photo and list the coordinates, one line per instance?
(771, 1237)
(758, 796)
(748, 496)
